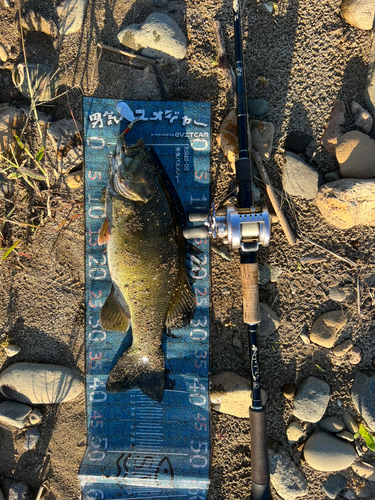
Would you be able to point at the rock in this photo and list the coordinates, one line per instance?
(20, 491)
(32, 437)
(361, 117)
(341, 349)
(231, 394)
(289, 390)
(305, 339)
(262, 134)
(297, 142)
(363, 390)
(11, 350)
(335, 127)
(71, 14)
(345, 435)
(348, 203)
(227, 138)
(34, 21)
(223, 251)
(311, 400)
(67, 144)
(359, 13)
(350, 495)
(325, 452)
(3, 53)
(333, 176)
(294, 432)
(11, 122)
(269, 274)
(257, 107)
(350, 424)
(37, 383)
(225, 291)
(355, 153)
(74, 179)
(339, 294)
(286, 478)
(35, 417)
(155, 3)
(158, 37)
(13, 414)
(269, 321)
(331, 424)
(325, 329)
(364, 492)
(334, 485)
(362, 469)
(299, 179)
(355, 355)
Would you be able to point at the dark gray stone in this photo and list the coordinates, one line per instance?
(269, 321)
(333, 485)
(333, 176)
(299, 179)
(13, 414)
(257, 107)
(311, 400)
(297, 142)
(363, 391)
(286, 478)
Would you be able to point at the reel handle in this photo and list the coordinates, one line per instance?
(199, 232)
(260, 475)
(250, 292)
(198, 215)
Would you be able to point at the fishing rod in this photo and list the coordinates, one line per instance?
(244, 228)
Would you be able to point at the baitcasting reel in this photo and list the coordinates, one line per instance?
(240, 230)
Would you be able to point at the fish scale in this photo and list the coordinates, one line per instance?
(139, 448)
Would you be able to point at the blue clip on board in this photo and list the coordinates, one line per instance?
(138, 448)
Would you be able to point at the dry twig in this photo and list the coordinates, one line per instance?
(345, 259)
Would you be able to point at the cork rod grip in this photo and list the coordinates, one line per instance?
(250, 292)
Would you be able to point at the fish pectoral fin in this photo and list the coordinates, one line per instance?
(138, 369)
(104, 233)
(113, 317)
(182, 306)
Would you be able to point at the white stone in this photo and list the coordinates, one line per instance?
(359, 13)
(71, 14)
(347, 203)
(11, 350)
(231, 394)
(37, 383)
(299, 179)
(364, 470)
(158, 37)
(3, 53)
(294, 432)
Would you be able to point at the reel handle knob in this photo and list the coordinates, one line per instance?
(196, 232)
(198, 215)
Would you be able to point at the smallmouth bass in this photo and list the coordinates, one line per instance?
(146, 259)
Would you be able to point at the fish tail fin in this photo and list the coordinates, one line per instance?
(139, 369)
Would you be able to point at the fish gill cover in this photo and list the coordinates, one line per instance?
(138, 447)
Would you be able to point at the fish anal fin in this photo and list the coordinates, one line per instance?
(104, 233)
(182, 306)
(113, 316)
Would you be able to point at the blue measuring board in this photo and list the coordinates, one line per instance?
(138, 448)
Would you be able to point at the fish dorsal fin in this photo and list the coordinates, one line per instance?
(113, 315)
(104, 233)
(182, 306)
